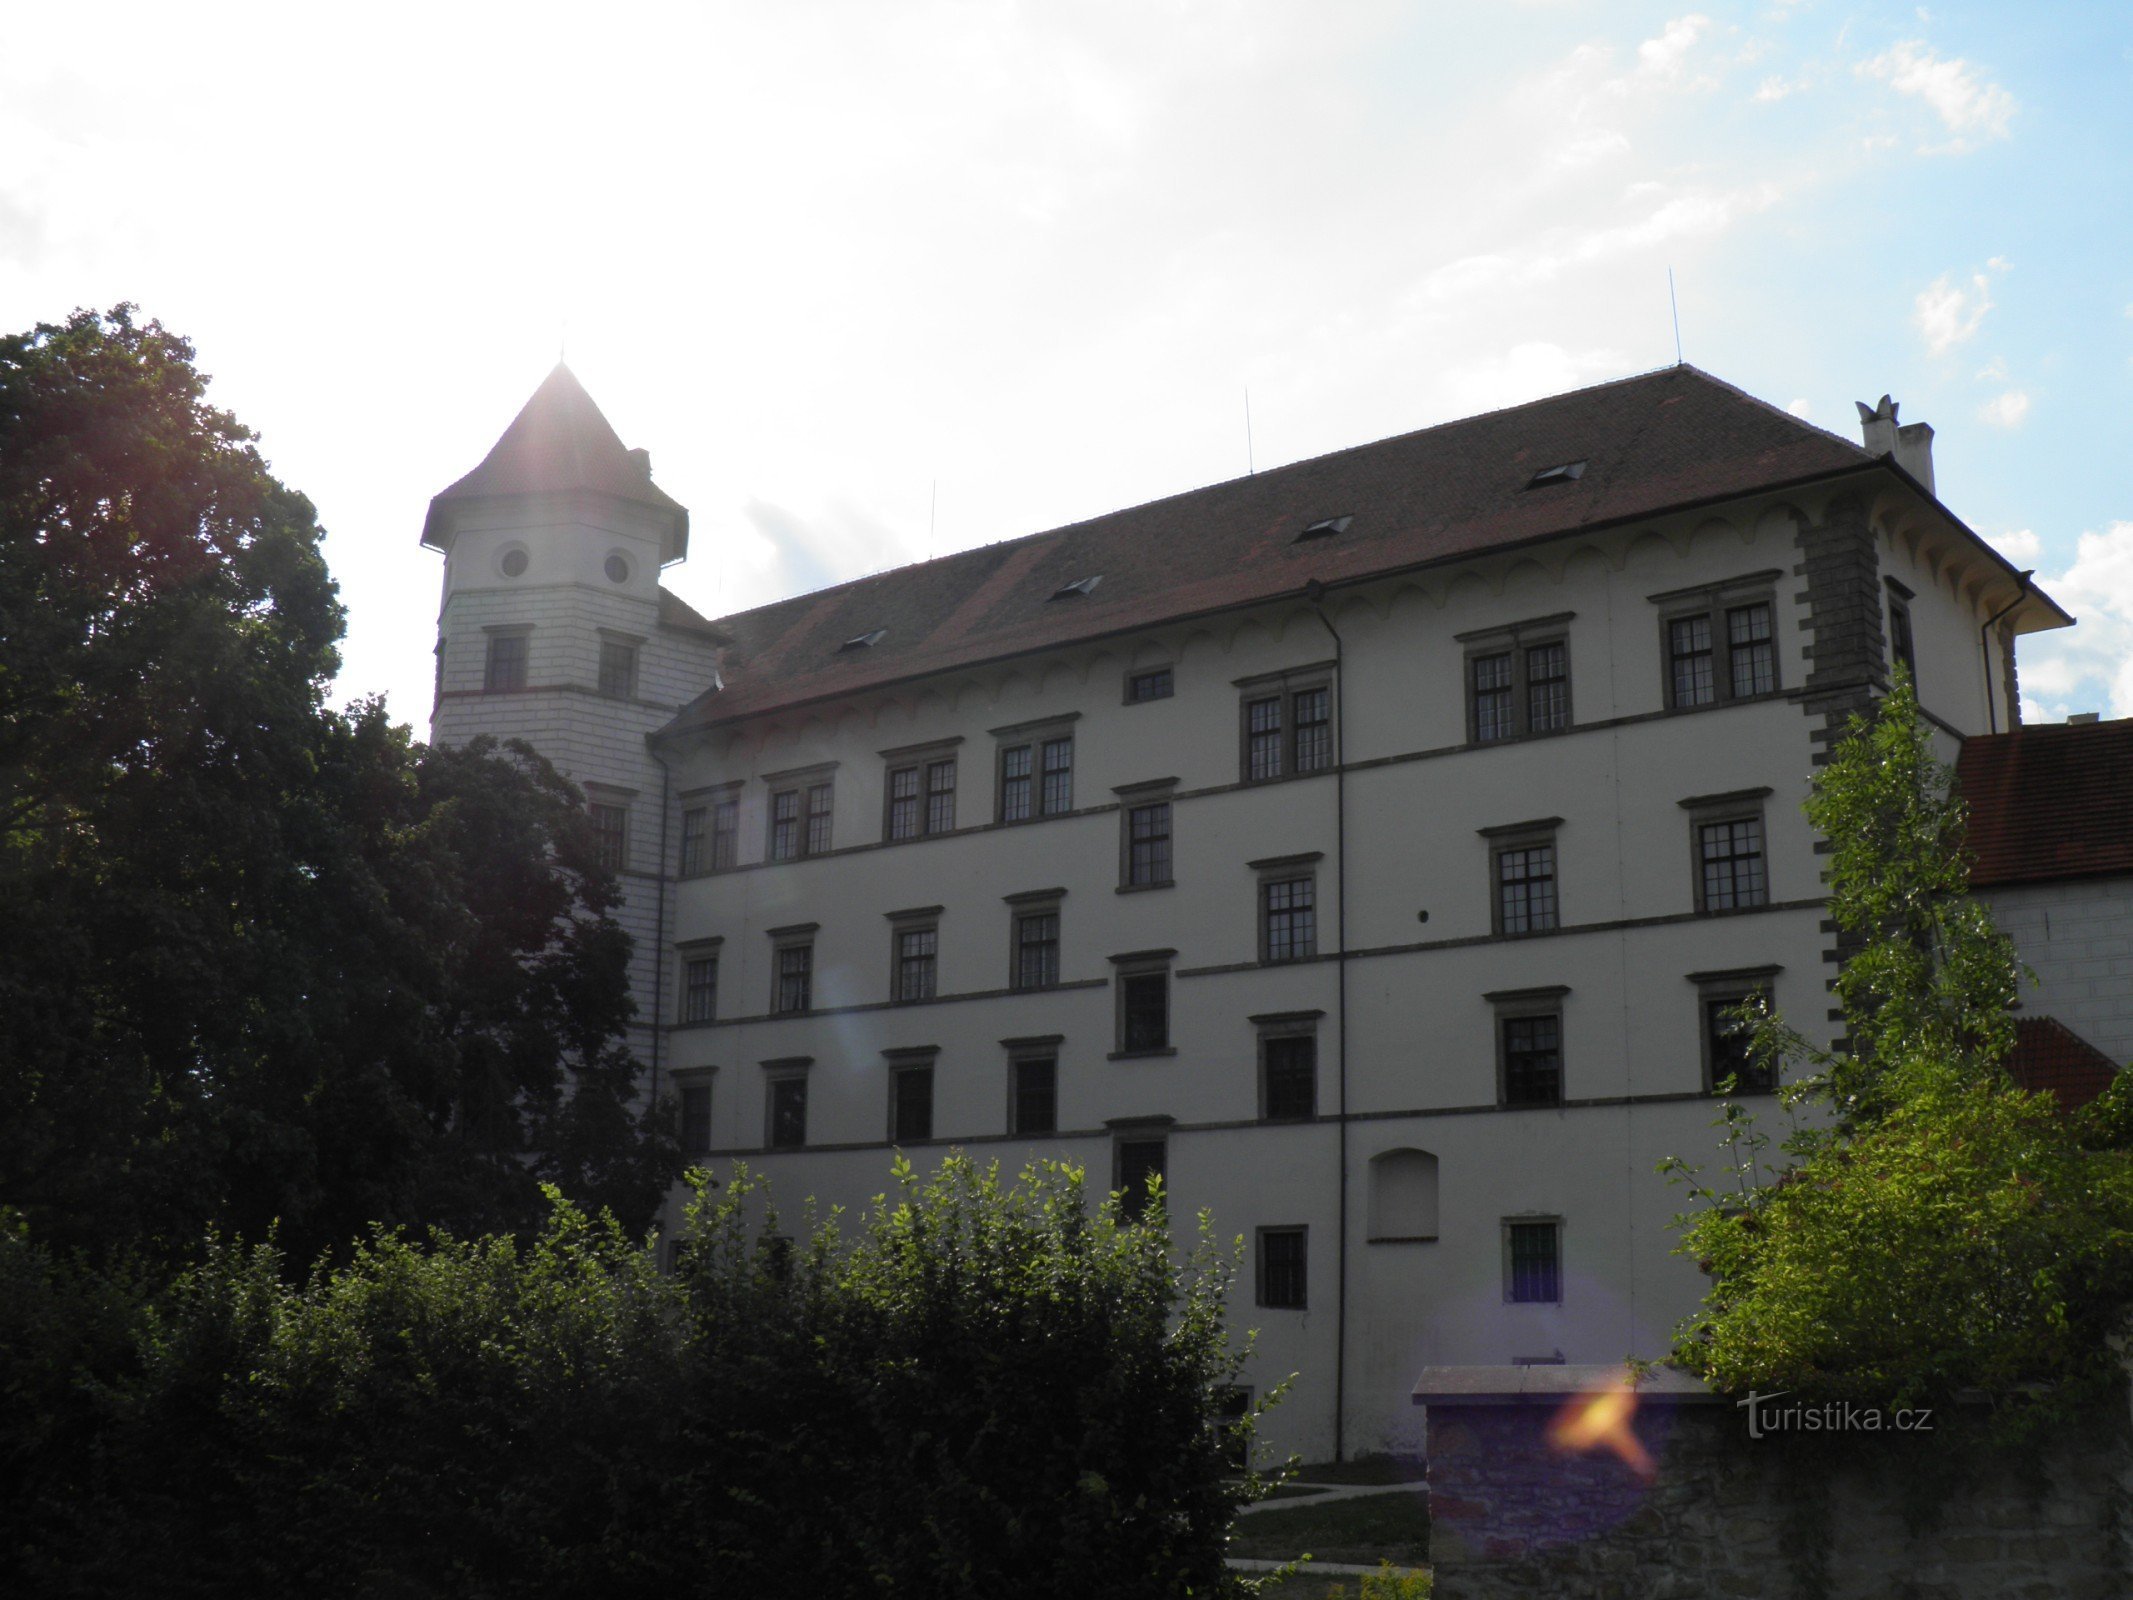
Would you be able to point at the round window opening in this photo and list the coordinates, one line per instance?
(618, 570)
(514, 563)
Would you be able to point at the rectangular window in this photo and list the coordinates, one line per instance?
(1492, 691)
(1143, 1012)
(1289, 1077)
(618, 670)
(1901, 649)
(818, 819)
(1288, 919)
(1689, 662)
(1282, 1281)
(1233, 1408)
(904, 803)
(911, 1102)
(1036, 949)
(611, 834)
(1532, 1060)
(1533, 1272)
(788, 1113)
(940, 796)
(1525, 888)
(1148, 844)
(507, 663)
(725, 834)
(1034, 1106)
(1139, 1160)
(785, 833)
(800, 822)
(1314, 729)
(1058, 793)
(921, 799)
(1729, 1064)
(1547, 688)
(1731, 856)
(699, 989)
(693, 823)
(1015, 783)
(917, 952)
(1287, 730)
(796, 978)
(695, 1118)
(1750, 651)
(1144, 686)
(1262, 739)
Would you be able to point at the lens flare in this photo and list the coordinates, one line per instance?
(1599, 1419)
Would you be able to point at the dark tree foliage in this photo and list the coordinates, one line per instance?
(261, 962)
(986, 1391)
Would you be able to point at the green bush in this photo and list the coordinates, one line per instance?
(986, 1390)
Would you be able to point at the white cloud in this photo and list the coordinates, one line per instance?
(1970, 108)
(1948, 313)
(1526, 372)
(2019, 545)
(2007, 410)
(1665, 59)
(1802, 409)
(2088, 667)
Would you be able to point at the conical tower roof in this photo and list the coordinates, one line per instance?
(559, 443)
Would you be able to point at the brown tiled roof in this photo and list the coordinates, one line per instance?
(2050, 1055)
(675, 612)
(558, 443)
(2051, 801)
(1663, 441)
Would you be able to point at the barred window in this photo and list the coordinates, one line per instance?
(1282, 1280)
(1289, 919)
(1525, 888)
(1492, 697)
(796, 978)
(692, 841)
(1289, 1077)
(1532, 1061)
(916, 961)
(1751, 651)
(1534, 1272)
(1036, 949)
(699, 989)
(725, 834)
(1035, 1100)
(1734, 876)
(1148, 844)
(1689, 658)
(611, 835)
(506, 666)
(911, 1114)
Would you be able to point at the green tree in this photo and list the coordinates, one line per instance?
(1938, 1228)
(261, 960)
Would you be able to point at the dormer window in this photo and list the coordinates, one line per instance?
(1325, 528)
(865, 641)
(1079, 589)
(1568, 472)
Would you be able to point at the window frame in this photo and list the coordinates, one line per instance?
(779, 1072)
(917, 921)
(1035, 1050)
(1036, 740)
(920, 762)
(1143, 1133)
(1713, 810)
(520, 635)
(1278, 871)
(1137, 967)
(1517, 641)
(1510, 1225)
(1263, 1286)
(1715, 603)
(602, 800)
(693, 1081)
(907, 1066)
(632, 645)
(1136, 676)
(798, 937)
(689, 953)
(802, 785)
(1030, 905)
(1903, 637)
(1283, 689)
(1281, 1028)
(1729, 988)
(1134, 799)
(1517, 836)
(1511, 1006)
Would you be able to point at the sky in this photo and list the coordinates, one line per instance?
(877, 281)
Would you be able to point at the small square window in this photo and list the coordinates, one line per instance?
(699, 988)
(618, 669)
(787, 1113)
(506, 667)
(911, 1104)
(695, 1118)
(1142, 687)
(1533, 1262)
(1034, 1098)
(1283, 1281)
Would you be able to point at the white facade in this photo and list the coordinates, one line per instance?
(1409, 1174)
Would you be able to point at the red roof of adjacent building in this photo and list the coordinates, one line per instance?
(1661, 442)
(2047, 802)
(2050, 1055)
(560, 443)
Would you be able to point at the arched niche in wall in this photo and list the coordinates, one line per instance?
(1403, 1196)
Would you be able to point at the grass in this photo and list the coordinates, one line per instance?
(1309, 1585)
(1365, 1530)
(1364, 1469)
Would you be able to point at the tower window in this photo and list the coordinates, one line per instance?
(514, 563)
(617, 569)
(618, 669)
(507, 663)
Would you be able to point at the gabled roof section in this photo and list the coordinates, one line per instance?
(560, 443)
(2050, 1055)
(677, 613)
(2048, 802)
(1666, 441)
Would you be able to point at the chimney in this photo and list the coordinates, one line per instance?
(2081, 719)
(1911, 445)
(642, 460)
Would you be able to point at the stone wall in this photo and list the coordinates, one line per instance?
(1514, 1517)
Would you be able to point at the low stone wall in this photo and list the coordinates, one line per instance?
(1672, 1499)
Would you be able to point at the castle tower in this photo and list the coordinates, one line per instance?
(554, 629)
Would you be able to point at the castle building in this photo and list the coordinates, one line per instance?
(1370, 847)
